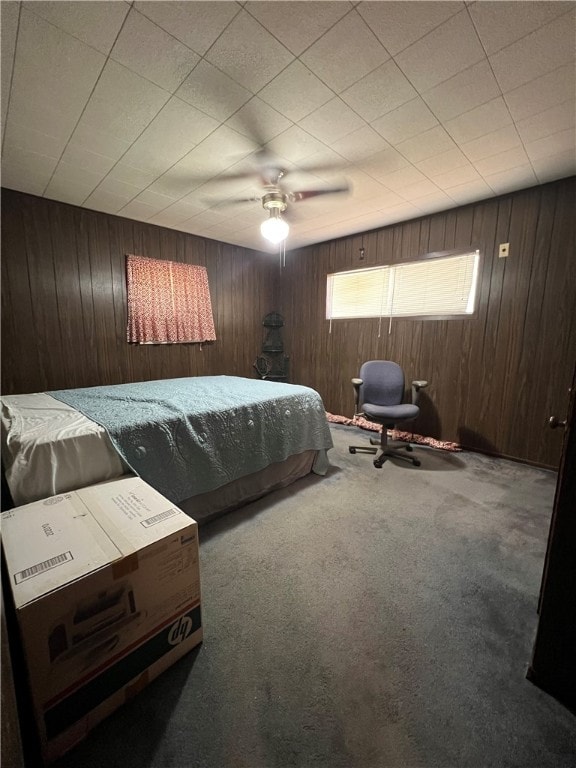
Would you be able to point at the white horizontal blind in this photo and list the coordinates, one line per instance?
(430, 287)
(359, 293)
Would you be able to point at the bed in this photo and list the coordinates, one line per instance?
(209, 443)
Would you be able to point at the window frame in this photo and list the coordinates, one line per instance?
(432, 255)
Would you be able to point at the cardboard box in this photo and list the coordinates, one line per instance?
(106, 587)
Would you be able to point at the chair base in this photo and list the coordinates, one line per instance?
(385, 452)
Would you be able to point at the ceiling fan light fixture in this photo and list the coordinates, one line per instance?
(274, 228)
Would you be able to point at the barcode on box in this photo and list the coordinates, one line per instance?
(160, 517)
(46, 565)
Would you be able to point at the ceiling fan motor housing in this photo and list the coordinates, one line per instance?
(274, 201)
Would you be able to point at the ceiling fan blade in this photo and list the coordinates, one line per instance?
(305, 194)
(221, 202)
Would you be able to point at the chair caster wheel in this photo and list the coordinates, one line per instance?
(409, 448)
(352, 450)
(378, 463)
(416, 462)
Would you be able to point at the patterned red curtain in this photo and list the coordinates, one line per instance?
(168, 302)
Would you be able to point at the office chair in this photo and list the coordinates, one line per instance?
(379, 392)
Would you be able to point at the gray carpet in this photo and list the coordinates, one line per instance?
(369, 619)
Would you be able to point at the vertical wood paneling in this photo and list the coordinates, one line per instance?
(64, 299)
(495, 377)
(17, 319)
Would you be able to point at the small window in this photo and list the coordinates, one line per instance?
(431, 287)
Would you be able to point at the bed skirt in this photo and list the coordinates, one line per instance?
(208, 506)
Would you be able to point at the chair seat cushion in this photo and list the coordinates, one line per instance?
(391, 413)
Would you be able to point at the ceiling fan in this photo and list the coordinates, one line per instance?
(276, 197)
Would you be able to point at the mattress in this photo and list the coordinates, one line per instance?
(49, 447)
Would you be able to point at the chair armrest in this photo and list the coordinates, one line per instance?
(416, 387)
(356, 383)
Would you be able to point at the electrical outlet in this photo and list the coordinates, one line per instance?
(504, 248)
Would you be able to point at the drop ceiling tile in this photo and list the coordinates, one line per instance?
(96, 24)
(119, 189)
(180, 180)
(31, 181)
(406, 121)
(248, 53)
(323, 164)
(156, 199)
(461, 175)
(66, 191)
(499, 24)
(51, 67)
(468, 89)
(403, 212)
(296, 92)
(295, 144)
(73, 175)
(366, 187)
(383, 163)
(27, 168)
(442, 53)
(420, 189)
(213, 92)
(399, 24)
(426, 144)
(555, 167)
(332, 121)
(549, 121)
(470, 192)
(438, 201)
(24, 109)
(536, 54)
(211, 157)
(479, 121)
(258, 121)
(345, 53)
(32, 140)
(298, 29)
(511, 179)
(137, 177)
(492, 143)
(360, 144)
(176, 129)
(123, 103)
(85, 160)
(503, 161)
(443, 162)
(379, 92)
(151, 52)
(542, 93)
(100, 200)
(98, 141)
(181, 211)
(8, 30)
(136, 209)
(554, 144)
(199, 29)
(405, 177)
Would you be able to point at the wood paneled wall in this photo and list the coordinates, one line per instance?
(496, 377)
(64, 299)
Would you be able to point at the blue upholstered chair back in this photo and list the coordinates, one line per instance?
(383, 383)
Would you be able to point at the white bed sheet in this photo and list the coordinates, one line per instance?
(49, 448)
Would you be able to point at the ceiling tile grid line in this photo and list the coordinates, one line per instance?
(419, 104)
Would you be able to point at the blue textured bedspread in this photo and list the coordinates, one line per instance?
(188, 436)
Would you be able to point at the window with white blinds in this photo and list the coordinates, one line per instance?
(439, 286)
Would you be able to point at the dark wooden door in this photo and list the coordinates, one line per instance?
(553, 666)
